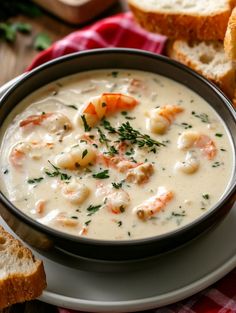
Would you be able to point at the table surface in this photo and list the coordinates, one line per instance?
(16, 57)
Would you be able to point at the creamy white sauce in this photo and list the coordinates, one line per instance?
(36, 188)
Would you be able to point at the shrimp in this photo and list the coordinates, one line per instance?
(190, 165)
(65, 221)
(153, 205)
(100, 106)
(119, 163)
(191, 139)
(75, 192)
(117, 201)
(140, 174)
(23, 149)
(160, 119)
(81, 154)
(136, 85)
(40, 206)
(54, 122)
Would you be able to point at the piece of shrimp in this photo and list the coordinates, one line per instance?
(140, 174)
(54, 122)
(160, 119)
(153, 205)
(190, 165)
(75, 192)
(100, 106)
(191, 139)
(23, 149)
(115, 201)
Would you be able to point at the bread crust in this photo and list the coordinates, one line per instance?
(184, 26)
(225, 82)
(20, 287)
(230, 37)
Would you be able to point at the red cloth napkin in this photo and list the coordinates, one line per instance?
(121, 31)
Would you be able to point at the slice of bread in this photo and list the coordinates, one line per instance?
(208, 59)
(230, 37)
(184, 19)
(22, 277)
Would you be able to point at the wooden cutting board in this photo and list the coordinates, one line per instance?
(75, 11)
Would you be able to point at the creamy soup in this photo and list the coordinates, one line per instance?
(115, 155)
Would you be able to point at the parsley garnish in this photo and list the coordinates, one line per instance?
(117, 185)
(34, 180)
(203, 117)
(114, 74)
(42, 41)
(119, 223)
(218, 135)
(102, 138)
(57, 172)
(85, 152)
(87, 223)
(87, 128)
(108, 127)
(93, 209)
(206, 196)
(6, 172)
(178, 214)
(102, 175)
(127, 133)
(71, 106)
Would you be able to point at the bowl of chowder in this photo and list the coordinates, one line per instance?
(115, 155)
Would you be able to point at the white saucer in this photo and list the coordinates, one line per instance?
(174, 276)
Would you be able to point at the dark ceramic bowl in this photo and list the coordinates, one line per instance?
(54, 243)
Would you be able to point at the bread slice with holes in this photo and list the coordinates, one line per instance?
(230, 37)
(184, 19)
(22, 277)
(208, 59)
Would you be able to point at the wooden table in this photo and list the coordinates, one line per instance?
(17, 56)
(14, 60)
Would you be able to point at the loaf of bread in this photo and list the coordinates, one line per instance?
(184, 19)
(230, 37)
(22, 277)
(208, 59)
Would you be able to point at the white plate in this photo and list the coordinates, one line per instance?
(174, 276)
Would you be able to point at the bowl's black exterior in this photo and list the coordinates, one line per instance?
(51, 241)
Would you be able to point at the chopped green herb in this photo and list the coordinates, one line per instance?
(124, 113)
(117, 185)
(178, 214)
(102, 175)
(206, 196)
(74, 217)
(93, 209)
(223, 150)
(112, 151)
(42, 41)
(23, 27)
(186, 125)
(57, 172)
(108, 127)
(87, 128)
(203, 117)
(127, 133)
(6, 172)
(218, 135)
(102, 137)
(71, 106)
(85, 152)
(130, 118)
(217, 164)
(34, 180)
(119, 223)
(114, 74)
(129, 234)
(87, 223)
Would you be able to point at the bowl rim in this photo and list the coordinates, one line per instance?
(51, 232)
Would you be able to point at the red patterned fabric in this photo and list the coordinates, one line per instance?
(121, 31)
(116, 31)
